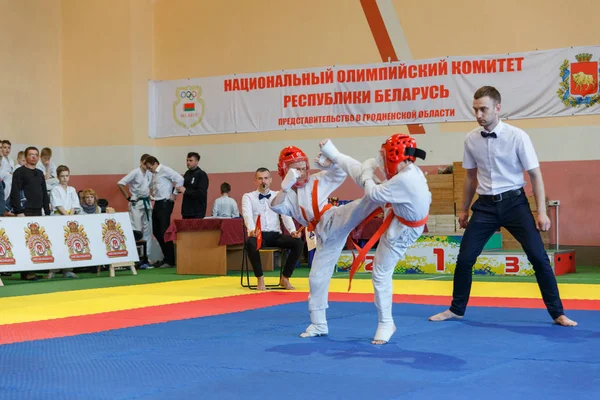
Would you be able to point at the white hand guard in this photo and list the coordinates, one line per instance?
(368, 170)
(290, 180)
(330, 151)
(323, 162)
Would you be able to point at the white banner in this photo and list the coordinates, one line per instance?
(551, 83)
(66, 241)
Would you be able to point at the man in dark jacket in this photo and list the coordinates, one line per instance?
(195, 183)
(29, 182)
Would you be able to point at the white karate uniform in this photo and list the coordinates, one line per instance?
(53, 180)
(409, 195)
(332, 230)
(6, 172)
(67, 199)
(140, 213)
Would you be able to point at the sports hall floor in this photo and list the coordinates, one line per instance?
(159, 335)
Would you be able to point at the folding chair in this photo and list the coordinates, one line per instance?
(246, 264)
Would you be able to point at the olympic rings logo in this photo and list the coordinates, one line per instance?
(190, 94)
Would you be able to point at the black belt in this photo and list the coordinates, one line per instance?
(502, 196)
(163, 202)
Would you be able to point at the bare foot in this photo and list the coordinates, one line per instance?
(383, 332)
(564, 321)
(444, 316)
(285, 282)
(260, 284)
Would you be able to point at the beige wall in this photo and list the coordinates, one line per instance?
(78, 75)
(96, 73)
(30, 84)
(227, 37)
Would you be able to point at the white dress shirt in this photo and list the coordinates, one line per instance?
(163, 180)
(138, 182)
(500, 161)
(225, 207)
(6, 171)
(67, 199)
(252, 207)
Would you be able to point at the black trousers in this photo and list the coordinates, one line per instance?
(161, 220)
(515, 215)
(275, 239)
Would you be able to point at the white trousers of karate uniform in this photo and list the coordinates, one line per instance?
(338, 223)
(391, 248)
(139, 222)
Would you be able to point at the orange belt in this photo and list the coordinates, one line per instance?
(315, 206)
(362, 253)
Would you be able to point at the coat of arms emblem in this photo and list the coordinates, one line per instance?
(579, 82)
(40, 247)
(77, 241)
(114, 239)
(6, 254)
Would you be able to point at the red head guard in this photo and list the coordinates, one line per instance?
(291, 155)
(398, 148)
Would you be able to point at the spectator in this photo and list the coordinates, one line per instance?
(64, 202)
(7, 168)
(90, 203)
(63, 197)
(20, 159)
(28, 182)
(225, 206)
(47, 166)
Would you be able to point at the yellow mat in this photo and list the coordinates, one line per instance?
(92, 301)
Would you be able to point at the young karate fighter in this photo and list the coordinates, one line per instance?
(304, 198)
(407, 193)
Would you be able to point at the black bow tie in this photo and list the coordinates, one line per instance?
(264, 196)
(491, 134)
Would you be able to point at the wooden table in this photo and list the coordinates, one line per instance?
(209, 246)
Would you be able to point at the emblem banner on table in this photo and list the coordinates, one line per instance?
(551, 83)
(54, 242)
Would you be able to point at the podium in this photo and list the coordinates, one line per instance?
(209, 246)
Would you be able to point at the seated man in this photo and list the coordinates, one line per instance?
(259, 203)
(225, 206)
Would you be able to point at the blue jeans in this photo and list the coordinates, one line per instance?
(515, 215)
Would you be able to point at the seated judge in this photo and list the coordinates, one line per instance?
(258, 203)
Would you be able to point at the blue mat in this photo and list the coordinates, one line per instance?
(494, 353)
